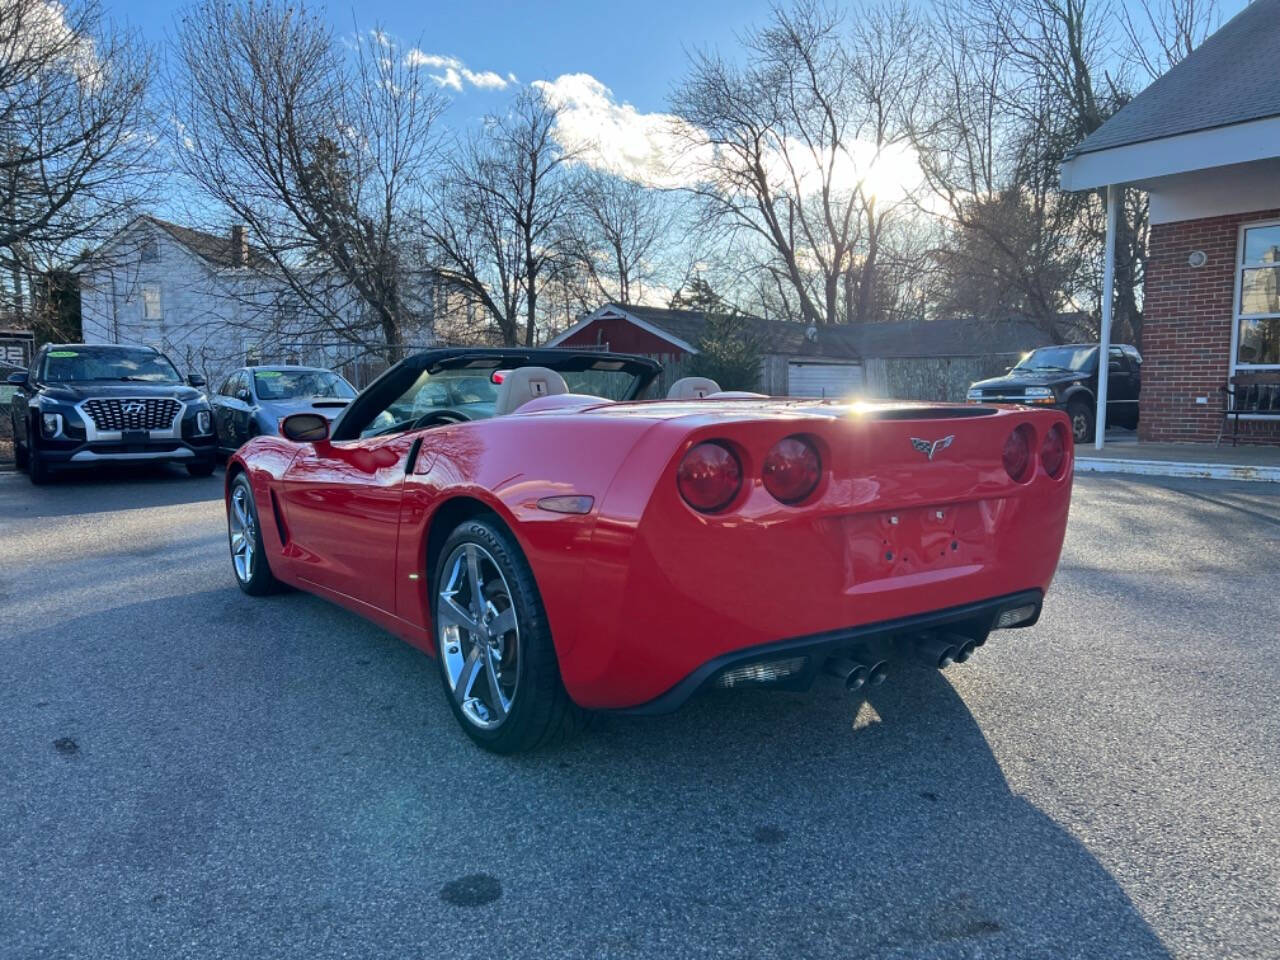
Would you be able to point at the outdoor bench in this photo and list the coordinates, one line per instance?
(1252, 395)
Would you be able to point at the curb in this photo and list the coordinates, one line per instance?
(1180, 468)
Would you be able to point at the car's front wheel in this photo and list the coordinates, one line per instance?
(248, 556)
(37, 470)
(497, 662)
(1081, 420)
(19, 452)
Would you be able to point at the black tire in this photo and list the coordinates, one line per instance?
(540, 712)
(37, 470)
(260, 580)
(19, 452)
(1081, 416)
(202, 468)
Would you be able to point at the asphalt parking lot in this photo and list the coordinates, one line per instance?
(188, 772)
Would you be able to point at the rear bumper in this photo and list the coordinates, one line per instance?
(802, 657)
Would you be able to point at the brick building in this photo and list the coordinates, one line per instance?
(1204, 142)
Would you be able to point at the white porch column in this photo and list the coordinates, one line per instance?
(1108, 291)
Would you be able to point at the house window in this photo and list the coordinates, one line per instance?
(150, 251)
(1258, 298)
(151, 307)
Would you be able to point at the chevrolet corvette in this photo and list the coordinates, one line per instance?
(561, 546)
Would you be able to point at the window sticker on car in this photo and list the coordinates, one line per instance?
(267, 373)
(63, 353)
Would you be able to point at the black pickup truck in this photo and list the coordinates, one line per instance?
(1066, 377)
(83, 404)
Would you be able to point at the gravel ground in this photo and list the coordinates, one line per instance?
(188, 772)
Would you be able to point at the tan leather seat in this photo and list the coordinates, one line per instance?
(523, 384)
(692, 388)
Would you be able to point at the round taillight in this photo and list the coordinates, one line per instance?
(1017, 453)
(792, 469)
(709, 477)
(1053, 452)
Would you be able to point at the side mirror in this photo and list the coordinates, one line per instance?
(243, 395)
(195, 380)
(305, 428)
(18, 379)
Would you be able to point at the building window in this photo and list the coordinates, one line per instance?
(151, 307)
(150, 251)
(1258, 300)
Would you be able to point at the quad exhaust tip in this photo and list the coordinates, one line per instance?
(942, 650)
(937, 651)
(857, 675)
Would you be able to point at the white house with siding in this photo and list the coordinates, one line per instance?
(207, 301)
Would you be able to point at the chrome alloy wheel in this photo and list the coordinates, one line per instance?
(478, 636)
(243, 532)
(1080, 427)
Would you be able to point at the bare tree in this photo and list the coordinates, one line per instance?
(615, 234)
(1005, 248)
(495, 224)
(74, 147)
(784, 146)
(323, 148)
(1064, 85)
(1161, 33)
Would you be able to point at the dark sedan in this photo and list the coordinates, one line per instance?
(252, 401)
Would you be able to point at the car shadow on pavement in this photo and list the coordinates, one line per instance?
(110, 487)
(880, 826)
(275, 777)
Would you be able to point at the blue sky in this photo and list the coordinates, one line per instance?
(636, 48)
(610, 66)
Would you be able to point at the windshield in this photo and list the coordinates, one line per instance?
(465, 390)
(458, 384)
(80, 363)
(291, 384)
(1079, 359)
(471, 393)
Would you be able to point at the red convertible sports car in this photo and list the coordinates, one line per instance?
(561, 547)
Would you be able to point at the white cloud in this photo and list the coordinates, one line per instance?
(655, 148)
(612, 136)
(449, 78)
(455, 72)
(416, 58)
(485, 80)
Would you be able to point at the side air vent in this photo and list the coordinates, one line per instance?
(279, 518)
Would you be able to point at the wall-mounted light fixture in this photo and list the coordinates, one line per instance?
(1198, 258)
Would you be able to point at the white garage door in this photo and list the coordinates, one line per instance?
(823, 379)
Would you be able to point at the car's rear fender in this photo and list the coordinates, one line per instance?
(507, 465)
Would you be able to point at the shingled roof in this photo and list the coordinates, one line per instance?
(1228, 79)
(217, 250)
(947, 337)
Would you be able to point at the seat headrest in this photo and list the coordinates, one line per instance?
(523, 384)
(692, 388)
